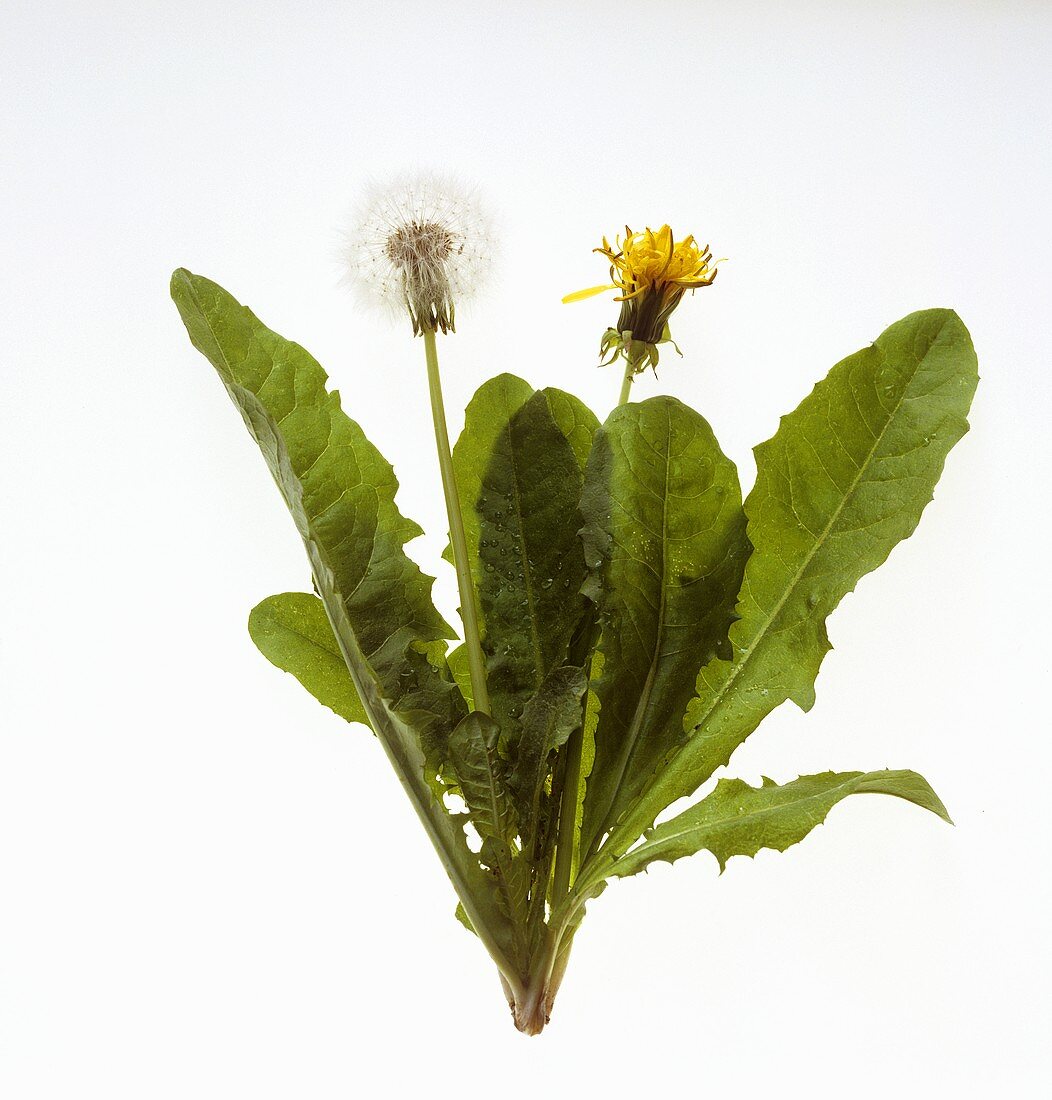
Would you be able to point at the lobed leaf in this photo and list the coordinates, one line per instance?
(845, 478)
(340, 492)
(483, 782)
(552, 714)
(739, 820)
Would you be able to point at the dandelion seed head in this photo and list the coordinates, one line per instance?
(421, 244)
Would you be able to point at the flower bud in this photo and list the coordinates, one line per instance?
(652, 272)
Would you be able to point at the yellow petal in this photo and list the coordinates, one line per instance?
(590, 292)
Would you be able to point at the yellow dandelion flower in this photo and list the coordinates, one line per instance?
(651, 271)
(650, 259)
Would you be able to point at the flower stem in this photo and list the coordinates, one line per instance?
(626, 383)
(457, 538)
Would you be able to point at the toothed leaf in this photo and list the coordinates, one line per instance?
(739, 820)
(845, 479)
(551, 715)
(340, 492)
(484, 785)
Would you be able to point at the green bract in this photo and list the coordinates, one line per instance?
(637, 620)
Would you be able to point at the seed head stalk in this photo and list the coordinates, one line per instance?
(457, 538)
(422, 246)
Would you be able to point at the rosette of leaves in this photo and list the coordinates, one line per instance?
(638, 620)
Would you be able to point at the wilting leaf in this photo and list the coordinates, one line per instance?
(292, 631)
(845, 479)
(739, 820)
(665, 537)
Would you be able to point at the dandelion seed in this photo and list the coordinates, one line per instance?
(422, 245)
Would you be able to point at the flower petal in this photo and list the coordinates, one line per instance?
(590, 292)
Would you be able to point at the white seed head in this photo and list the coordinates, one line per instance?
(423, 245)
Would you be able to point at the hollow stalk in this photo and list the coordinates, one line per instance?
(457, 538)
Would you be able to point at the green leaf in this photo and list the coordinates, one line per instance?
(292, 631)
(551, 715)
(461, 914)
(665, 536)
(739, 820)
(845, 479)
(340, 491)
(576, 421)
(460, 670)
(531, 556)
(589, 726)
(483, 783)
(486, 416)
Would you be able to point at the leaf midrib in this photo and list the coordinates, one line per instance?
(760, 634)
(504, 855)
(669, 770)
(648, 686)
(460, 865)
(740, 818)
(527, 571)
(333, 652)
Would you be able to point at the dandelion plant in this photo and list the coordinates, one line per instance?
(626, 620)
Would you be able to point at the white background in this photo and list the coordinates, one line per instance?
(210, 887)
